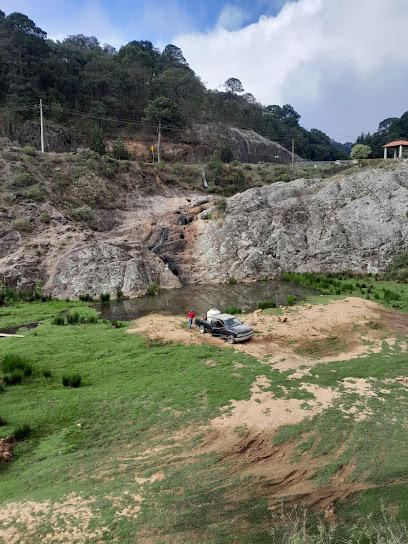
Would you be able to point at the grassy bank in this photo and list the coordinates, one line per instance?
(121, 457)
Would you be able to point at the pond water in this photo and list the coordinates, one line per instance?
(203, 297)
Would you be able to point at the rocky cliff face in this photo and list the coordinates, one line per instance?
(246, 144)
(357, 222)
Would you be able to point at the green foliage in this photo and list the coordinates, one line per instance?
(58, 320)
(86, 298)
(12, 361)
(72, 317)
(284, 177)
(14, 378)
(215, 168)
(45, 217)
(398, 269)
(96, 143)
(290, 300)
(226, 154)
(22, 225)
(221, 206)
(3, 422)
(22, 432)
(119, 151)
(73, 380)
(360, 151)
(153, 289)
(83, 213)
(119, 294)
(164, 110)
(46, 373)
(30, 150)
(266, 304)
(104, 298)
(232, 280)
(232, 310)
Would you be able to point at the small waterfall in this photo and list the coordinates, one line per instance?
(204, 178)
(163, 237)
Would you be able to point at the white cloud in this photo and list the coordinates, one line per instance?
(298, 55)
(231, 18)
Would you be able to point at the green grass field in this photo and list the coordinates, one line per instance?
(120, 457)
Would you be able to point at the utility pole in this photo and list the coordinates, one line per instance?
(158, 142)
(293, 152)
(42, 126)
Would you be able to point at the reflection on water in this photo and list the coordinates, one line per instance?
(203, 297)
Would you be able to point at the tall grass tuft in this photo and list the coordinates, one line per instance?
(153, 289)
(266, 304)
(233, 310)
(290, 300)
(58, 320)
(104, 298)
(22, 432)
(72, 381)
(13, 361)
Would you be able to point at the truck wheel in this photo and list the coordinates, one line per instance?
(201, 329)
(231, 339)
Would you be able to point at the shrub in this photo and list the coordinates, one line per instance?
(58, 320)
(30, 150)
(119, 294)
(21, 225)
(221, 205)
(207, 217)
(226, 154)
(104, 297)
(266, 304)
(13, 361)
(45, 217)
(71, 381)
(291, 300)
(119, 151)
(153, 289)
(232, 280)
(83, 213)
(284, 177)
(22, 432)
(233, 310)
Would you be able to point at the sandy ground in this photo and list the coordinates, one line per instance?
(311, 334)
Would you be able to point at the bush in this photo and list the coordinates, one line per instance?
(360, 151)
(221, 205)
(83, 213)
(119, 151)
(232, 280)
(45, 217)
(153, 289)
(22, 432)
(104, 297)
(71, 381)
(119, 294)
(284, 177)
(291, 300)
(233, 310)
(12, 362)
(30, 150)
(58, 320)
(21, 225)
(266, 304)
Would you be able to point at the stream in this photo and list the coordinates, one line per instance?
(203, 297)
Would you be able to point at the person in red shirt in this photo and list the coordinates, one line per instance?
(190, 317)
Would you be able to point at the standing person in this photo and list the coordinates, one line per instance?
(190, 317)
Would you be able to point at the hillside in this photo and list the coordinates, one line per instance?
(82, 223)
(86, 87)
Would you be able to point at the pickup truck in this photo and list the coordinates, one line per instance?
(225, 326)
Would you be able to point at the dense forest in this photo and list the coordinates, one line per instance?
(389, 130)
(84, 84)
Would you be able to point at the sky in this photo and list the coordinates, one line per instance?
(342, 64)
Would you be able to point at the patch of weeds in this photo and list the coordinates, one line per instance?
(232, 280)
(72, 381)
(13, 362)
(290, 300)
(153, 289)
(22, 432)
(232, 310)
(104, 298)
(58, 320)
(21, 225)
(266, 304)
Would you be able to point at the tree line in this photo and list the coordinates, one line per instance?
(84, 83)
(389, 130)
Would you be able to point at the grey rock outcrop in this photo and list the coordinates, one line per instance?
(357, 222)
(105, 267)
(246, 144)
